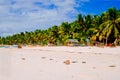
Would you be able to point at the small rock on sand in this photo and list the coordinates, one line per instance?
(83, 62)
(112, 66)
(50, 59)
(67, 62)
(23, 58)
(74, 61)
(43, 57)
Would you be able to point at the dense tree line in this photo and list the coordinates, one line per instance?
(101, 28)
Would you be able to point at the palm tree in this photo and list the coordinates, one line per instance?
(87, 22)
(80, 19)
(110, 28)
(53, 34)
(74, 29)
(64, 30)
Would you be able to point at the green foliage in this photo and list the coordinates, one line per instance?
(96, 27)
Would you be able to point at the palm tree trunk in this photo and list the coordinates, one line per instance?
(106, 40)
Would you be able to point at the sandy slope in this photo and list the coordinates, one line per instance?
(47, 63)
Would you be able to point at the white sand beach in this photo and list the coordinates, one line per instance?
(47, 63)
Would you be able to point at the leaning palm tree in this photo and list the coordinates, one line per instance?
(110, 28)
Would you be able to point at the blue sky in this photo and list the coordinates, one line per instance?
(28, 15)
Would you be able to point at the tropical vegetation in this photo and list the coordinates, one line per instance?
(103, 28)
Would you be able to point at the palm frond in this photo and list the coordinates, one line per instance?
(116, 31)
(110, 28)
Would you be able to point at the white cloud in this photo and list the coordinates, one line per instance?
(26, 15)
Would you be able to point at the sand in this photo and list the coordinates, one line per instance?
(49, 63)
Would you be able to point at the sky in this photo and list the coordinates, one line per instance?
(28, 15)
